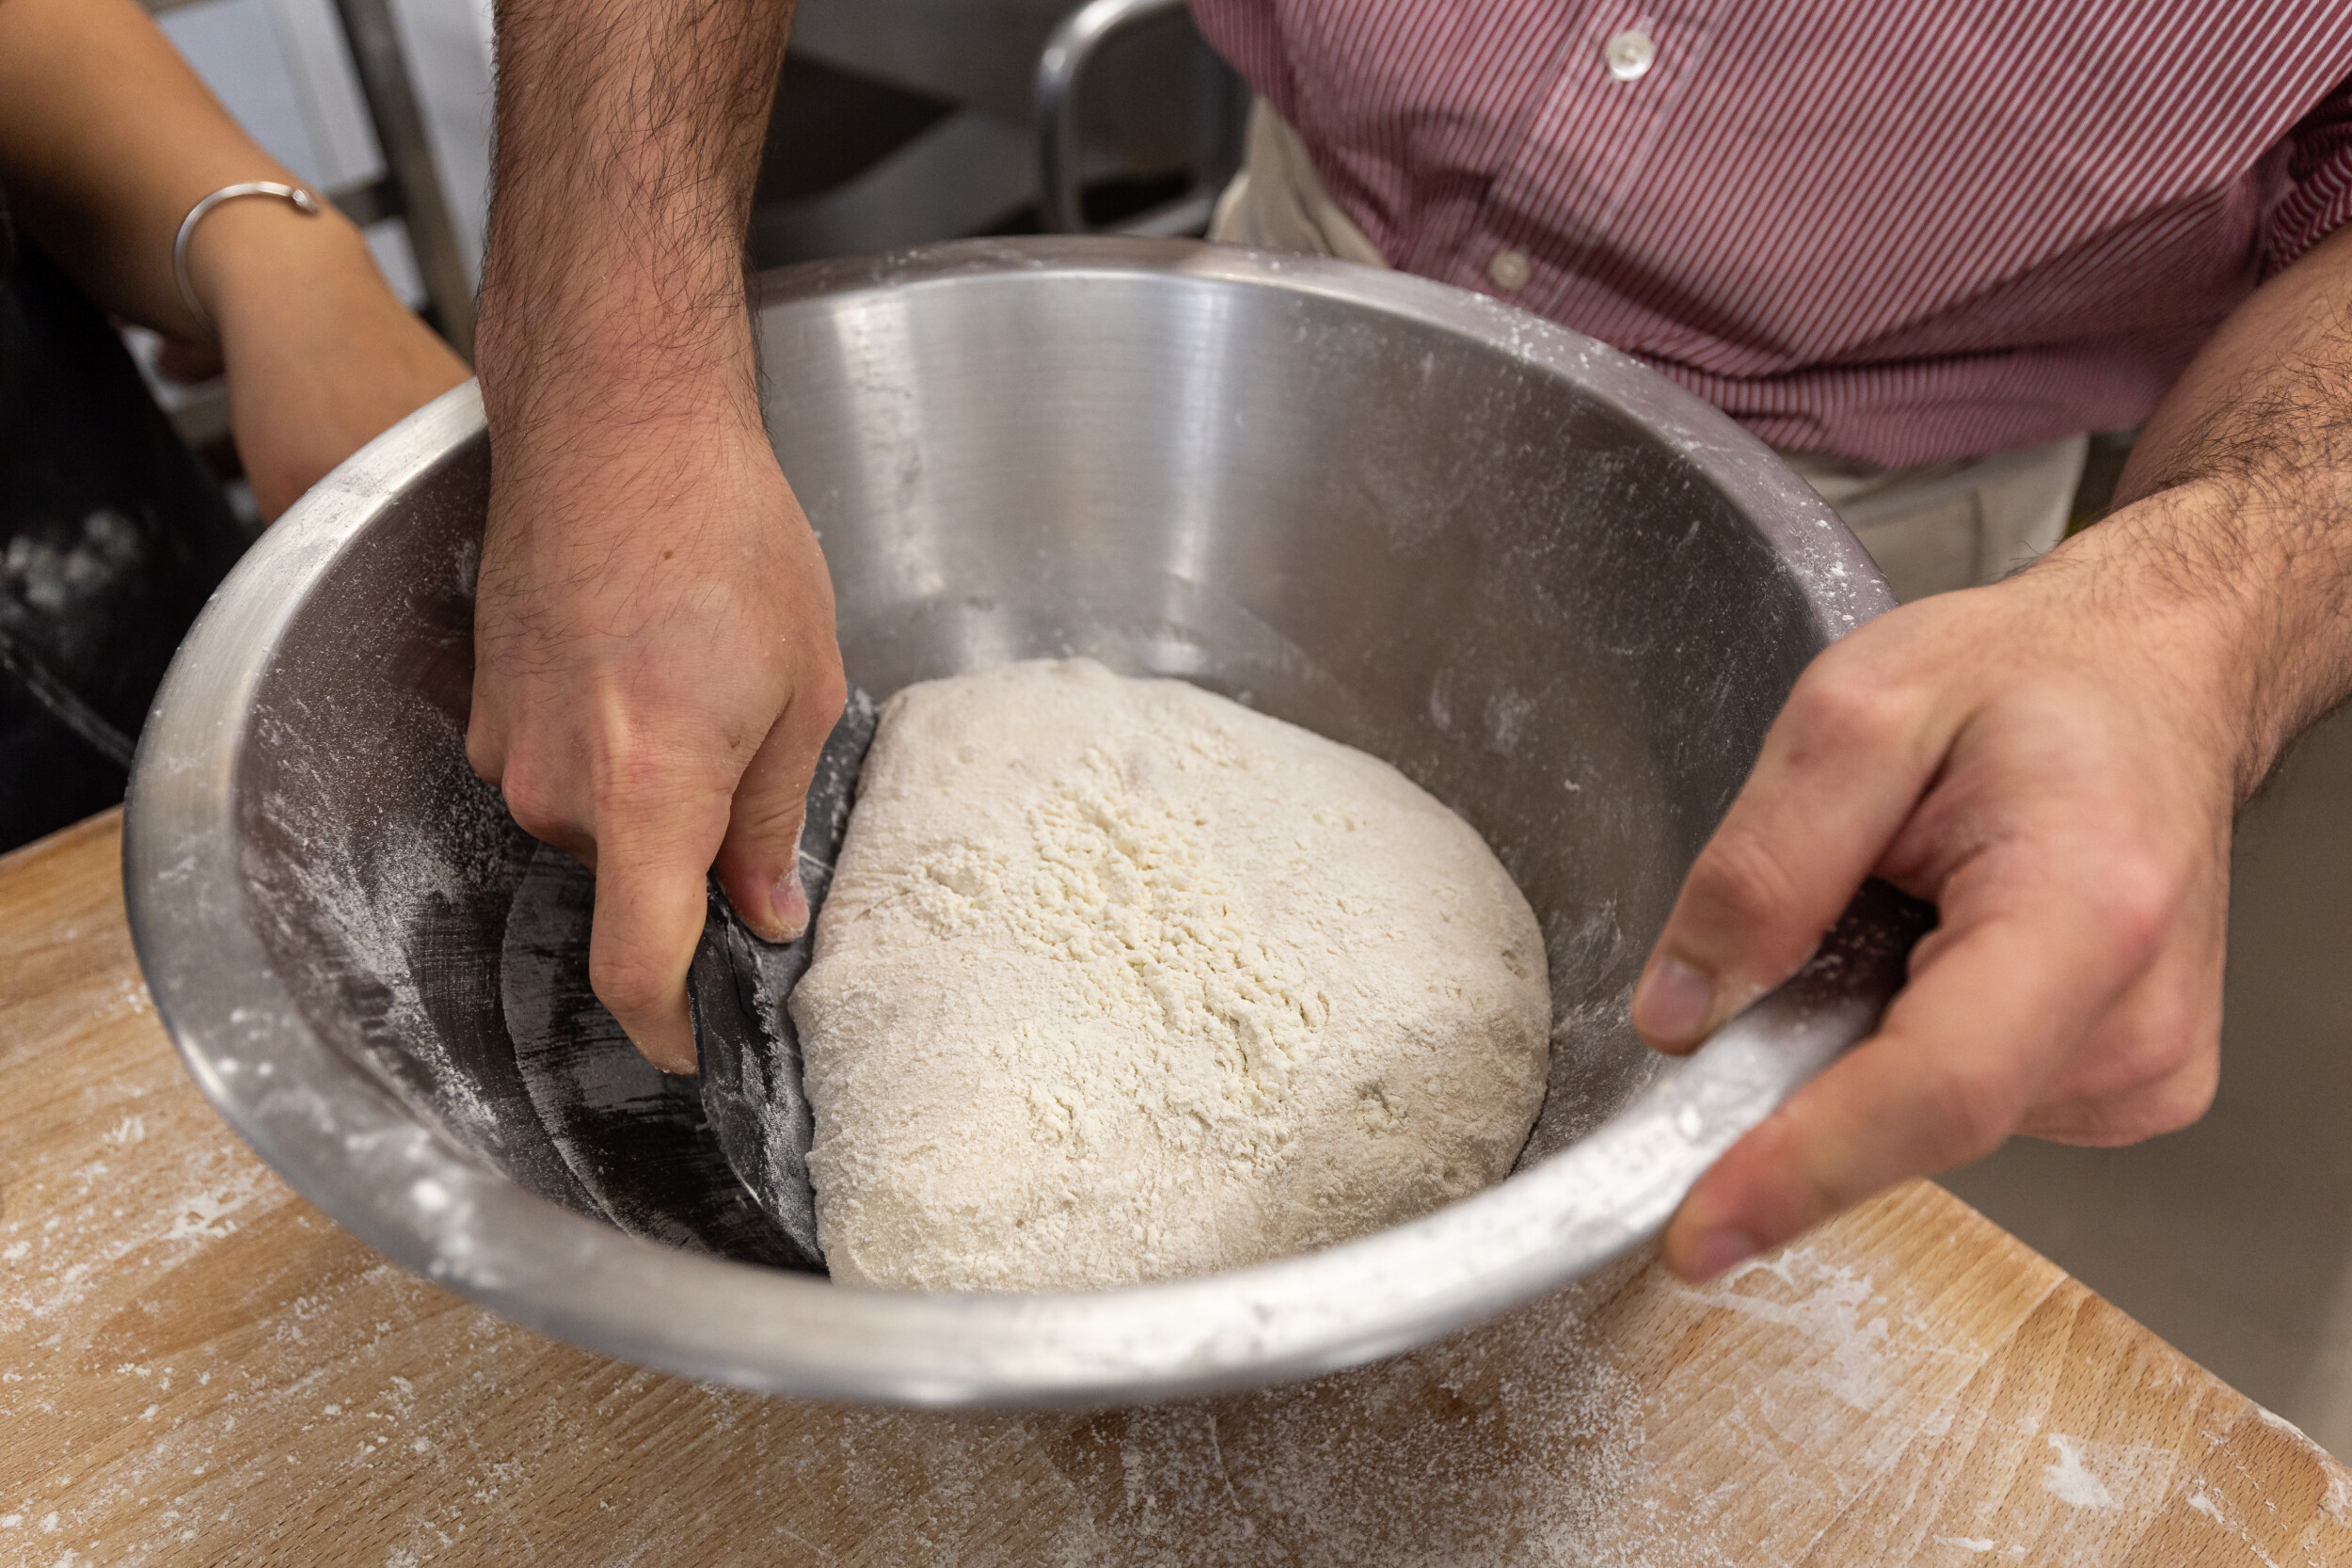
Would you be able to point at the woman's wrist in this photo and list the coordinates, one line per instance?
(258, 257)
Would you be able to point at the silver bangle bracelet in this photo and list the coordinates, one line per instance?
(301, 200)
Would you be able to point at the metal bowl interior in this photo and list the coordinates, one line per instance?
(1560, 593)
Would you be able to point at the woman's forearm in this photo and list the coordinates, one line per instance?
(106, 139)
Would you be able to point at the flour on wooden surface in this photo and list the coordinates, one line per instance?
(1119, 980)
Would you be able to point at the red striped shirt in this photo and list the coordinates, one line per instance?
(1901, 232)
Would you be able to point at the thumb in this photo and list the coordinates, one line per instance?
(759, 860)
(1840, 770)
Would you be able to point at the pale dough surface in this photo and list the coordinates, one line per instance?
(1119, 980)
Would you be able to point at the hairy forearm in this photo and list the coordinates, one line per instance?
(2246, 477)
(628, 138)
(106, 139)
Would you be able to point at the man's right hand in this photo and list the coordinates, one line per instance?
(655, 673)
(654, 662)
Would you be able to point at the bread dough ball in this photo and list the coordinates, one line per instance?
(1119, 980)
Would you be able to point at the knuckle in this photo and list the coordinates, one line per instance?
(2187, 1096)
(535, 803)
(2155, 1056)
(629, 984)
(633, 772)
(2158, 1040)
(2179, 1042)
(2138, 901)
(2176, 1041)
(1840, 707)
(2154, 1072)
(1741, 881)
(483, 755)
(824, 697)
(1971, 1110)
(2148, 1112)
(764, 827)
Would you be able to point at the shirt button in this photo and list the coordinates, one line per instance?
(1509, 270)
(1630, 54)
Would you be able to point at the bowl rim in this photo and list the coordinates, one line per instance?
(345, 1143)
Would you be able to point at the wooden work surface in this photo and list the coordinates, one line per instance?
(195, 1367)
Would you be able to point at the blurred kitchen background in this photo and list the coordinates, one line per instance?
(900, 122)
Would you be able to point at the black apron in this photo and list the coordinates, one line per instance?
(112, 536)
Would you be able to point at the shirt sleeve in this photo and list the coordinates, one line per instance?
(2318, 198)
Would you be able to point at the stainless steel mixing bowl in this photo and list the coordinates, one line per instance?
(1564, 595)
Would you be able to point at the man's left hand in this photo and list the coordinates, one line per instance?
(2054, 761)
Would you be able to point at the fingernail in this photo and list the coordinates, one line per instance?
(1720, 1250)
(1671, 1002)
(791, 904)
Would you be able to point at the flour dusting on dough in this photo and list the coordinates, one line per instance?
(1120, 980)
